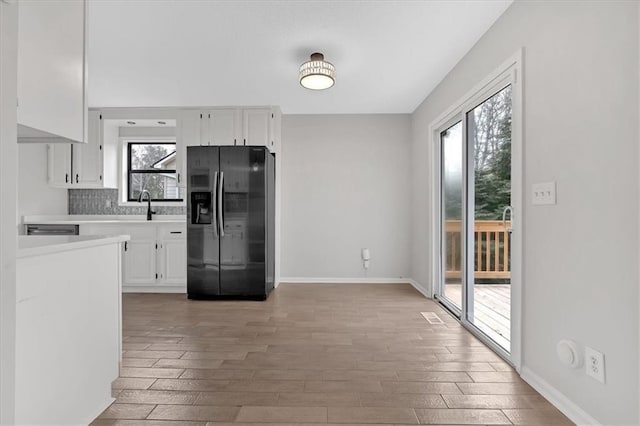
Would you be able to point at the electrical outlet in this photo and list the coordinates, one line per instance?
(594, 363)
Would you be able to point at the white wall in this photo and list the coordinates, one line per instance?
(8, 207)
(35, 197)
(345, 186)
(580, 129)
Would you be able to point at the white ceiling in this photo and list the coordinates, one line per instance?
(388, 54)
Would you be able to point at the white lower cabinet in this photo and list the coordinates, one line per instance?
(140, 263)
(155, 259)
(172, 255)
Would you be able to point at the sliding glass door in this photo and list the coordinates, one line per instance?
(489, 176)
(452, 212)
(475, 215)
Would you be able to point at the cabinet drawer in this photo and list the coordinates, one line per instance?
(173, 232)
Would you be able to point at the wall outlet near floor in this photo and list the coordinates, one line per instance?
(544, 193)
(366, 258)
(594, 363)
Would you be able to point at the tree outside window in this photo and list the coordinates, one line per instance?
(152, 166)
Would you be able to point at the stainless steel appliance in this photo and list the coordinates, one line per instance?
(230, 222)
(53, 229)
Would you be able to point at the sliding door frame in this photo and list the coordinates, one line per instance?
(509, 73)
(458, 311)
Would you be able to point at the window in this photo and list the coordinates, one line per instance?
(151, 166)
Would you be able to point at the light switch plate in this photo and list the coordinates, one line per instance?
(544, 193)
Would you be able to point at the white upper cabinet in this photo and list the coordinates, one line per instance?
(52, 72)
(261, 127)
(250, 126)
(188, 133)
(188, 128)
(59, 165)
(256, 129)
(88, 159)
(84, 166)
(224, 124)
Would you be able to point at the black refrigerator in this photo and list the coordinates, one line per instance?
(230, 222)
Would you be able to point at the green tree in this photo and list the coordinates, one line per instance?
(492, 142)
(145, 157)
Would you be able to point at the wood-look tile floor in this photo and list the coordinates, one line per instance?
(337, 354)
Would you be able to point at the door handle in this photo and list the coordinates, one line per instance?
(220, 209)
(66, 178)
(214, 205)
(507, 209)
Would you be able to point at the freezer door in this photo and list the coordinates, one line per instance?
(242, 221)
(203, 243)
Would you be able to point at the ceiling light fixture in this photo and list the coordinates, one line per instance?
(317, 74)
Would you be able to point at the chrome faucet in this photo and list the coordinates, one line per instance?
(149, 212)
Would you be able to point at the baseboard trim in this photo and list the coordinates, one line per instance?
(155, 289)
(107, 402)
(308, 280)
(420, 289)
(558, 399)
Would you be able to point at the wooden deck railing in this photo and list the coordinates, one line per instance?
(491, 250)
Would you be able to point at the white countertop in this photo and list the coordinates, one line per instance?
(80, 219)
(40, 245)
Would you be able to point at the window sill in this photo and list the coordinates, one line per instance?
(153, 204)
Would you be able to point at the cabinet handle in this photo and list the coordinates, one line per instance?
(66, 178)
(245, 141)
(176, 232)
(76, 178)
(178, 177)
(126, 245)
(156, 275)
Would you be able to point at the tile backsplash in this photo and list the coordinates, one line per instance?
(95, 201)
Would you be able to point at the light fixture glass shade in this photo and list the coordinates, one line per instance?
(317, 74)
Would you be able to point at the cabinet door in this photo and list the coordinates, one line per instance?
(51, 67)
(256, 127)
(59, 165)
(223, 126)
(173, 268)
(172, 254)
(188, 134)
(140, 263)
(88, 158)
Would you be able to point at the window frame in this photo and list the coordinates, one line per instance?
(129, 170)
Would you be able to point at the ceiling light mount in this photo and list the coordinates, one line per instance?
(316, 73)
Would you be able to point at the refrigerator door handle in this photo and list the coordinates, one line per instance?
(213, 207)
(220, 209)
